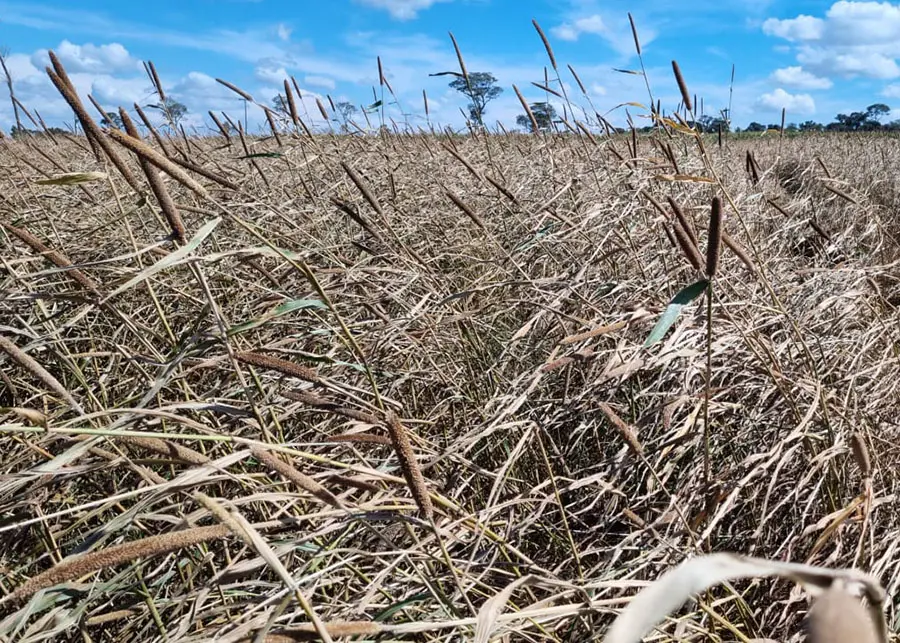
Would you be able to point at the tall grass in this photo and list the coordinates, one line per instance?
(412, 373)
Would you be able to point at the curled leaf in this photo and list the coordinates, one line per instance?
(72, 178)
(685, 296)
(669, 593)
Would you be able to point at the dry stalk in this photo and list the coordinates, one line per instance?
(27, 362)
(288, 472)
(469, 212)
(280, 365)
(739, 252)
(77, 566)
(627, 432)
(337, 629)
(361, 438)
(325, 405)
(176, 225)
(686, 223)
(237, 90)
(57, 258)
(682, 87)
(546, 44)
(714, 239)
(292, 104)
(861, 454)
(144, 151)
(168, 449)
(595, 332)
(691, 252)
(409, 465)
(87, 123)
(527, 108)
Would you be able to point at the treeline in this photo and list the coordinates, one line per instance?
(867, 121)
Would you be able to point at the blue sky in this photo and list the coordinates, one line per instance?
(815, 59)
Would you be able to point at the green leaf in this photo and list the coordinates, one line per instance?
(685, 296)
(262, 155)
(282, 309)
(390, 610)
(629, 71)
(375, 105)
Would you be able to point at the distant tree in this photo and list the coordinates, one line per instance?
(756, 127)
(171, 109)
(712, 124)
(791, 127)
(280, 105)
(17, 131)
(811, 126)
(112, 119)
(346, 111)
(866, 121)
(480, 89)
(8, 79)
(544, 115)
(877, 110)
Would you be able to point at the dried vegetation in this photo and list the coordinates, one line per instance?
(396, 386)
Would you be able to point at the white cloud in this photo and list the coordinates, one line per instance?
(803, 28)
(859, 61)
(401, 9)
(571, 31)
(123, 92)
(319, 81)
(799, 78)
(793, 103)
(284, 32)
(853, 39)
(271, 72)
(90, 58)
(617, 35)
(891, 91)
(22, 67)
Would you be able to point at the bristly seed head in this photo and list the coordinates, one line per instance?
(682, 86)
(714, 241)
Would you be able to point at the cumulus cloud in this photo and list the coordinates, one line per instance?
(801, 28)
(853, 39)
(859, 61)
(284, 32)
(571, 31)
(271, 72)
(799, 78)
(793, 103)
(401, 9)
(891, 91)
(319, 81)
(616, 33)
(89, 58)
(124, 92)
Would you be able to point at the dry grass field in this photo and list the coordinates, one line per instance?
(397, 386)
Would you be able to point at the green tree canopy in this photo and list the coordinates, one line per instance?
(544, 115)
(173, 110)
(112, 119)
(480, 89)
